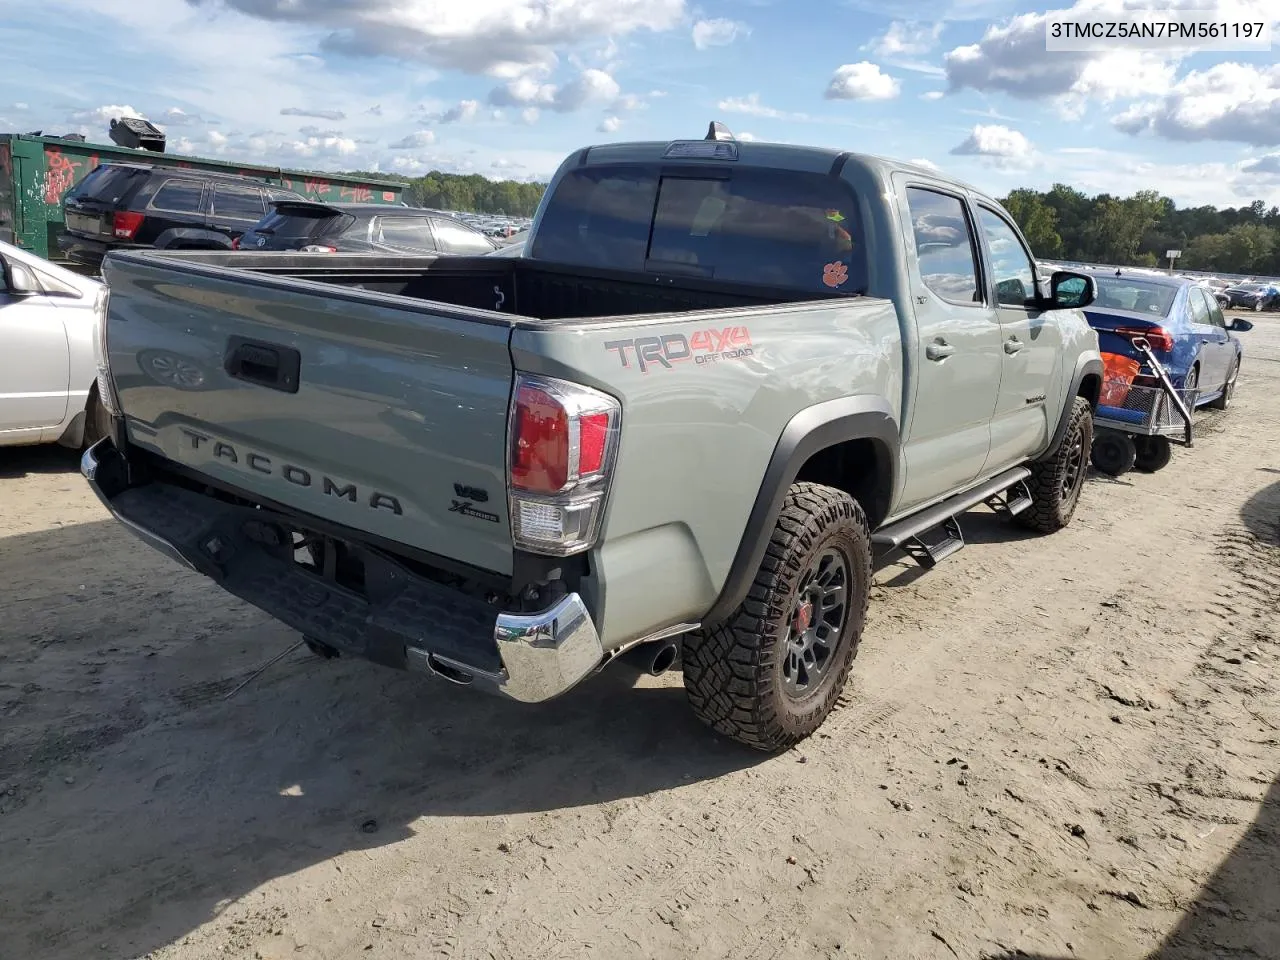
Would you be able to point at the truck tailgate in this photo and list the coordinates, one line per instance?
(369, 410)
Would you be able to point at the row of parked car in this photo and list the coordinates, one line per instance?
(121, 205)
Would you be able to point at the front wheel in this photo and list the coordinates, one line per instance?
(1055, 483)
(1223, 400)
(770, 674)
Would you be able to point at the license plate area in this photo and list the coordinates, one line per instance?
(83, 223)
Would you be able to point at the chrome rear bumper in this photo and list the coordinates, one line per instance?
(417, 624)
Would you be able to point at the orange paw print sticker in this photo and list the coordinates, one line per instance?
(834, 274)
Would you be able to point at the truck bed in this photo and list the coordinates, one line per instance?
(532, 291)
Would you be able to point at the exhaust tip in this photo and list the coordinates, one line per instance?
(664, 659)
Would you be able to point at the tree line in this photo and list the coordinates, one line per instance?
(1060, 224)
(1065, 224)
(468, 192)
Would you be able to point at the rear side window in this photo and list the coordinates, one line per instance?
(455, 238)
(1199, 306)
(303, 223)
(796, 231)
(405, 233)
(238, 203)
(108, 183)
(944, 245)
(178, 196)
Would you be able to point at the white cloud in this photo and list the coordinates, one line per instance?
(318, 114)
(591, 86)
(502, 38)
(629, 102)
(609, 125)
(927, 164)
(414, 141)
(21, 106)
(751, 105)
(1010, 57)
(177, 117)
(1267, 166)
(745, 137)
(464, 112)
(530, 115)
(319, 146)
(102, 116)
(862, 81)
(375, 110)
(997, 143)
(906, 38)
(932, 95)
(718, 32)
(1229, 101)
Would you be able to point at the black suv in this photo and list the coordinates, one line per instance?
(170, 208)
(362, 228)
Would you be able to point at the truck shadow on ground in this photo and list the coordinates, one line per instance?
(45, 458)
(135, 798)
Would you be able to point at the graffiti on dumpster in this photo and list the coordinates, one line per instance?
(356, 194)
(63, 172)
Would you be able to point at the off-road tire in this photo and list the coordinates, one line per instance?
(1055, 483)
(733, 670)
(1223, 400)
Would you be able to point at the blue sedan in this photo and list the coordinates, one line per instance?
(1184, 325)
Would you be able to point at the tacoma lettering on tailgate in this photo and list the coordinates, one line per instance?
(292, 473)
(704, 347)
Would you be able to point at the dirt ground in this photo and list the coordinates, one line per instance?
(1062, 747)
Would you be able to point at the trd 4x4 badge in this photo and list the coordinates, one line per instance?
(704, 347)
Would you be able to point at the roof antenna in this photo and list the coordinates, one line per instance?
(718, 131)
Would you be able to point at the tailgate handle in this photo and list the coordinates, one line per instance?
(265, 364)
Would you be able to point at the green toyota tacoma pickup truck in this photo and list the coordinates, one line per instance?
(722, 377)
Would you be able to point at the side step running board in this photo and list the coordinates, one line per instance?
(1006, 494)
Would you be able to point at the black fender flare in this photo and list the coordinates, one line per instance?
(1087, 364)
(173, 235)
(809, 431)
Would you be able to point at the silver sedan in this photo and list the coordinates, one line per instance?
(48, 327)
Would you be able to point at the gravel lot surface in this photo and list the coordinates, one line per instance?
(1061, 747)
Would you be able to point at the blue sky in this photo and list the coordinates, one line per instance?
(506, 88)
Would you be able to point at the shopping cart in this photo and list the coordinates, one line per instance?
(1135, 424)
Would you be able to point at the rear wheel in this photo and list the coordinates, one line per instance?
(1223, 400)
(1055, 483)
(1152, 453)
(1113, 453)
(770, 674)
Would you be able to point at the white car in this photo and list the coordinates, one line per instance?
(48, 327)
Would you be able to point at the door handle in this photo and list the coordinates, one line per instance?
(265, 364)
(939, 350)
(1012, 345)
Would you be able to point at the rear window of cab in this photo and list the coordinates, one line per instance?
(774, 228)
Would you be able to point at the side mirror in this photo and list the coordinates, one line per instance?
(1241, 324)
(1071, 291)
(19, 281)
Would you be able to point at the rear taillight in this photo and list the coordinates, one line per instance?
(562, 440)
(125, 224)
(235, 243)
(319, 248)
(1159, 338)
(106, 388)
